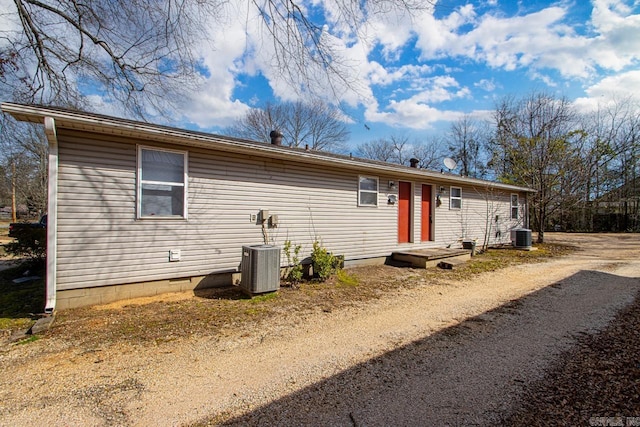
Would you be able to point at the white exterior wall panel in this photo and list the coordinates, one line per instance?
(470, 221)
(102, 243)
(99, 240)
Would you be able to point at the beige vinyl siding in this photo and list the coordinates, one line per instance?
(470, 222)
(100, 242)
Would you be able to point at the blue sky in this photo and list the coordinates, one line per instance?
(418, 74)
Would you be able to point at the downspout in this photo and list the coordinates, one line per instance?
(52, 215)
(526, 212)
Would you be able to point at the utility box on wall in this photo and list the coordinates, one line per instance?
(260, 268)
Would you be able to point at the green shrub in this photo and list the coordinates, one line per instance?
(324, 262)
(294, 271)
(30, 243)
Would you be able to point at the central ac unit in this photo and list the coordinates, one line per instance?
(260, 268)
(521, 238)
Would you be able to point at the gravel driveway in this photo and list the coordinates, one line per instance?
(452, 354)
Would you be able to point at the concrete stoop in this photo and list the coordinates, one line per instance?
(426, 258)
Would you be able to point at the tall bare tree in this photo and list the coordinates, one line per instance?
(429, 153)
(378, 149)
(138, 53)
(535, 137)
(315, 125)
(143, 53)
(465, 143)
(24, 169)
(609, 164)
(399, 149)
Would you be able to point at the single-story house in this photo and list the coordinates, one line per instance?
(138, 209)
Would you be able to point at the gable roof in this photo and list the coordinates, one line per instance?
(97, 123)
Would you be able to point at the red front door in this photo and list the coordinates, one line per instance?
(425, 218)
(404, 212)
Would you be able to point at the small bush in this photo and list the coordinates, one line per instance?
(324, 262)
(30, 243)
(294, 271)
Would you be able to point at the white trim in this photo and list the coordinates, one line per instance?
(360, 190)
(52, 215)
(184, 183)
(451, 198)
(516, 206)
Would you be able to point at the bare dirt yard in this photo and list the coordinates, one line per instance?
(551, 339)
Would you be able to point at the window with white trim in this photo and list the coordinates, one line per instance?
(368, 191)
(162, 183)
(455, 198)
(514, 206)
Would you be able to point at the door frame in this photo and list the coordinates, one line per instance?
(431, 213)
(409, 212)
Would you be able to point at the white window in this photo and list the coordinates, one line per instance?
(162, 183)
(514, 206)
(368, 191)
(455, 199)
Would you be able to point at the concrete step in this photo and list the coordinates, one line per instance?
(425, 258)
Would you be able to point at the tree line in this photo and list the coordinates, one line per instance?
(143, 56)
(582, 165)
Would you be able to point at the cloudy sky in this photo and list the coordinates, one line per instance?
(413, 75)
(417, 74)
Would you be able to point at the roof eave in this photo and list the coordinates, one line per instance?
(139, 130)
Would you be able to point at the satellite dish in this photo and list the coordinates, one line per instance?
(450, 163)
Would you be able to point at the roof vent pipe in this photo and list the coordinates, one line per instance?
(414, 162)
(276, 137)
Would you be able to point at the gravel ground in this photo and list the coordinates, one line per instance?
(457, 353)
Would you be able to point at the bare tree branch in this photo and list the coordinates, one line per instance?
(314, 125)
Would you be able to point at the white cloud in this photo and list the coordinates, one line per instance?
(384, 77)
(537, 40)
(488, 85)
(417, 111)
(99, 103)
(392, 32)
(613, 87)
(407, 113)
(213, 105)
(617, 44)
(9, 20)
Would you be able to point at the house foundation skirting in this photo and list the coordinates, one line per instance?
(74, 298)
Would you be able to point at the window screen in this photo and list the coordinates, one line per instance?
(514, 206)
(455, 200)
(162, 183)
(368, 191)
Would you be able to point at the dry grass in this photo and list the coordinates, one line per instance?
(215, 312)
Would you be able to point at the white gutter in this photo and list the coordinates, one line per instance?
(52, 215)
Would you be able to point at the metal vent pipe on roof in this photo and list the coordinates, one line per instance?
(414, 162)
(276, 137)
